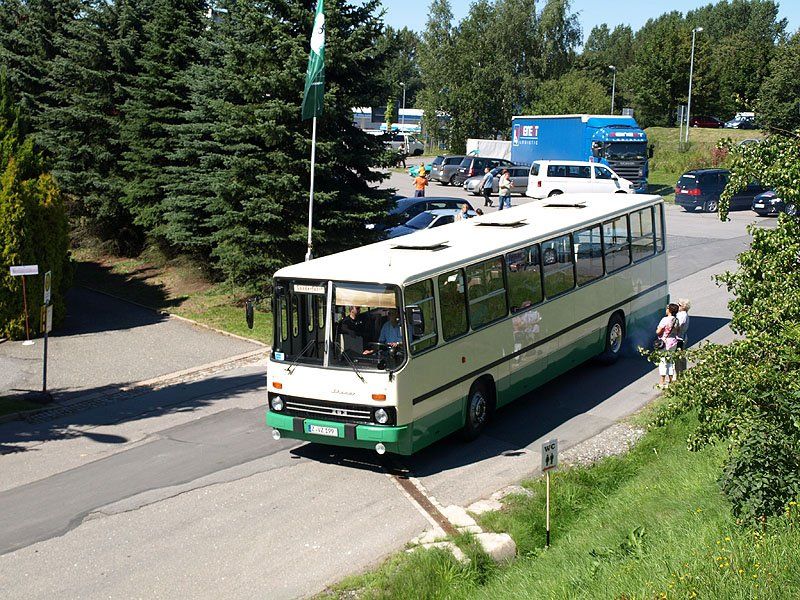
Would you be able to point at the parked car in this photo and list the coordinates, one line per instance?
(705, 121)
(427, 220)
(701, 188)
(429, 167)
(444, 172)
(519, 177)
(769, 204)
(741, 122)
(553, 177)
(407, 208)
(475, 165)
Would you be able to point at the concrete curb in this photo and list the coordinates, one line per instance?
(174, 316)
(143, 386)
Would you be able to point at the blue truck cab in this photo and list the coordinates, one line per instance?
(616, 141)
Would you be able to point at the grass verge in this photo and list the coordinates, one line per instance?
(176, 286)
(650, 524)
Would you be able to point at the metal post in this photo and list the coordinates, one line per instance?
(311, 195)
(44, 362)
(403, 110)
(28, 340)
(547, 542)
(613, 86)
(695, 31)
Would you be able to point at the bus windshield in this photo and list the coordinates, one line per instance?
(363, 330)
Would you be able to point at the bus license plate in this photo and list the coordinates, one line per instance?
(322, 430)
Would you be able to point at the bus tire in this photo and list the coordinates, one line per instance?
(479, 404)
(615, 338)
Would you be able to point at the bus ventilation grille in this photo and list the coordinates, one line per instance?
(506, 224)
(565, 205)
(430, 247)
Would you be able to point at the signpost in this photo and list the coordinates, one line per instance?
(23, 271)
(47, 325)
(549, 462)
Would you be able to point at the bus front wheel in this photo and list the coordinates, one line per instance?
(615, 337)
(478, 408)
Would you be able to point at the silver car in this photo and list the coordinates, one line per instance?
(444, 171)
(519, 177)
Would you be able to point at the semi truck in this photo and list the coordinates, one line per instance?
(616, 141)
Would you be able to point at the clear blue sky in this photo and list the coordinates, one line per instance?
(413, 13)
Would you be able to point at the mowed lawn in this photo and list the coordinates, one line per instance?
(650, 524)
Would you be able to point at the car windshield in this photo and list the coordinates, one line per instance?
(421, 221)
(626, 150)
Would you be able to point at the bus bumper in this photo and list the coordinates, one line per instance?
(395, 439)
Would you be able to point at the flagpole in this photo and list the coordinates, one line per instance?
(311, 195)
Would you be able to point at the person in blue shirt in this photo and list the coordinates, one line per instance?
(391, 333)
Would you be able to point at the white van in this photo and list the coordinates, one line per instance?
(552, 177)
(407, 143)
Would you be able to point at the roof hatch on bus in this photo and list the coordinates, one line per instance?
(566, 204)
(434, 246)
(504, 224)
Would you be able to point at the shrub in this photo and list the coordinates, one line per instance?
(33, 225)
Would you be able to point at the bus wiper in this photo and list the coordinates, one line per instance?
(349, 360)
(290, 369)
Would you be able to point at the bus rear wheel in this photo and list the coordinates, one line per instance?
(615, 337)
(478, 408)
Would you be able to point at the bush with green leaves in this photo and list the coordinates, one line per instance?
(33, 224)
(748, 392)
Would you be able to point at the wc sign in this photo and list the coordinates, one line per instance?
(524, 134)
(549, 455)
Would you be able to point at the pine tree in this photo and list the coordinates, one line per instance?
(158, 98)
(242, 164)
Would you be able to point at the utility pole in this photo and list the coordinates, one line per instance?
(403, 110)
(613, 86)
(695, 31)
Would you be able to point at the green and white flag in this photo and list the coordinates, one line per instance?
(315, 75)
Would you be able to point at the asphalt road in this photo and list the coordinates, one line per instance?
(182, 493)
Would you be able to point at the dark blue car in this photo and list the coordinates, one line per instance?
(700, 189)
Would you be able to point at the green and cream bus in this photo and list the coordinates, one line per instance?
(394, 345)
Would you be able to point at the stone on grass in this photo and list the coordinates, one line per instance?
(458, 517)
(499, 546)
(484, 506)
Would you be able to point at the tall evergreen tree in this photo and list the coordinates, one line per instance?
(243, 196)
(158, 97)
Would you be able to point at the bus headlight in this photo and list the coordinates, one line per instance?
(276, 403)
(381, 416)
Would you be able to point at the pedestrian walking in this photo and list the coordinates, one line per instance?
(505, 190)
(667, 332)
(420, 182)
(683, 335)
(487, 183)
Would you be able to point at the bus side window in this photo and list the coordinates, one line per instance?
(559, 275)
(617, 244)
(659, 227)
(524, 278)
(588, 254)
(421, 294)
(642, 241)
(487, 292)
(453, 309)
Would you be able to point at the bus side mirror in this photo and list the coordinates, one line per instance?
(650, 151)
(249, 313)
(415, 318)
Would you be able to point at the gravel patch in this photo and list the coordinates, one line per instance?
(614, 441)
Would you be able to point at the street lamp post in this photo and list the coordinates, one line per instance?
(403, 110)
(613, 86)
(695, 31)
